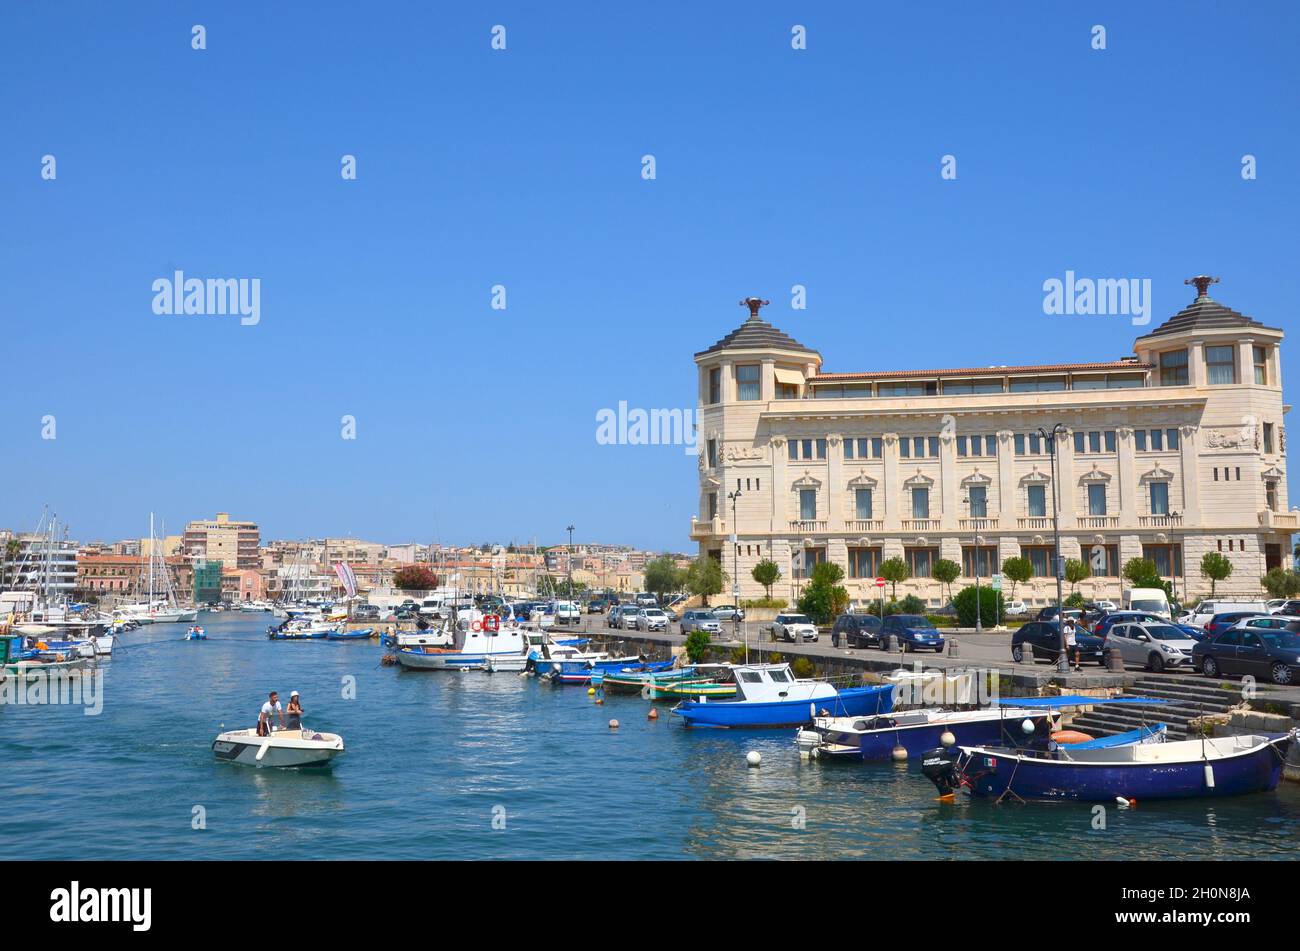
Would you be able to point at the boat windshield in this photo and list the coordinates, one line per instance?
(1166, 632)
(780, 676)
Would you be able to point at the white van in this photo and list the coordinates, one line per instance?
(1151, 600)
(1203, 612)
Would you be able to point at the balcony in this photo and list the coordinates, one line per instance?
(1282, 521)
(1098, 521)
(807, 525)
(920, 524)
(864, 525)
(708, 528)
(1160, 521)
(1034, 521)
(977, 524)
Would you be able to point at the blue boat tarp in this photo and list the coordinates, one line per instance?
(1076, 700)
(1119, 739)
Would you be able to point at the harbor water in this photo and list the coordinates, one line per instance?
(474, 765)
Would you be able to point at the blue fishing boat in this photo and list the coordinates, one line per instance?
(876, 737)
(1134, 767)
(196, 633)
(579, 671)
(769, 695)
(340, 635)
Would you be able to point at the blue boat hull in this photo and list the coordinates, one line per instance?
(851, 702)
(363, 635)
(1255, 771)
(918, 739)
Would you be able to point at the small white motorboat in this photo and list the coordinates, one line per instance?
(283, 748)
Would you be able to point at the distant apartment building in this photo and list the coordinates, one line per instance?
(1174, 451)
(40, 564)
(115, 574)
(353, 551)
(233, 543)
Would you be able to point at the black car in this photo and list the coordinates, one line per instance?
(1043, 640)
(1049, 613)
(1259, 653)
(1221, 622)
(859, 630)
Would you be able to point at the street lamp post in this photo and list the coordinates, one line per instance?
(735, 568)
(1062, 661)
(569, 529)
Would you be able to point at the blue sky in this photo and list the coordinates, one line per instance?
(775, 167)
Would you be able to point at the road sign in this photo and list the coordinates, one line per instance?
(880, 582)
(996, 583)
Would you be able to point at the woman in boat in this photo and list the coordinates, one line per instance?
(294, 712)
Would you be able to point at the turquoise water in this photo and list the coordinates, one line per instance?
(434, 757)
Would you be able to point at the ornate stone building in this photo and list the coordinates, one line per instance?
(1169, 453)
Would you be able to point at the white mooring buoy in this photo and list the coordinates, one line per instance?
(946, 738)
(753, 758)
(899, 753)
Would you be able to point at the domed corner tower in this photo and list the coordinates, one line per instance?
(740, 378)
(1225, 367)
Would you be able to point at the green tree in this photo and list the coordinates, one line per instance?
(1017, 570)
(824, 597)
(1076, 571)
(1281, 583)
(662, 576)
(697, 646)
(767, 573)
(895, 571)
(705, 577)
(946, 571)
(1139, 571)
(1215, 567)
(990, 606)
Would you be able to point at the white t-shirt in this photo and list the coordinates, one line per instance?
(269, 710)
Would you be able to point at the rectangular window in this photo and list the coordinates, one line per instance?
(1094, 442)
(1035, 444)
(848, 449)
(1260, 355)
(787, 391)
(1168, 559)
(920, 503)
(909, 389)
(961, 446)
(920, 560)
(1040, 559)
(979, 502)
(1078, 442)
(805, 448)
(1109, 438)
(990, 445)
(918, 447)
(747, 387)
(808, 504)
(1221, 365)
(979, 560)
(713, 505)
(862, 503)
(1173, 368)
(793, 447)
(1140, 439)
(932, 447)
(1157, 440)
(1019, 441)
(1037, 501)
(977, 445)
(864, 562)
(1171, 438)
(1270, 495)
(715, 385)
(1103, 560)
(1159, 498)
(1096, 499)
(905, 448)
(712, 445)
(821, 449)
(1268, 437)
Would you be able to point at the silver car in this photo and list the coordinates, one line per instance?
(650, 619)
(1155, 646)
(697, 620)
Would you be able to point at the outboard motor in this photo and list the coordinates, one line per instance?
(940, 767)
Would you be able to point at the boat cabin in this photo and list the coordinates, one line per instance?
(775, 683)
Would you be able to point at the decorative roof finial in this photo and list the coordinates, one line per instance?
(1202, 282)
(754, 303)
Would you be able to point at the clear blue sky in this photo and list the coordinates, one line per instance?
(522, 167)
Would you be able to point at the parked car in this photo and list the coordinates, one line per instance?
(650, 619)
(1049, 613)
(728, 612)
(615, 618)
(1016, 609)
(1153, 644)
(597, 606)
(1042, 639)
(1290, 608)
(859, 630)
(1106, 606)
(1274, 654)
(365, 612)
(567, 612)
(700, 619)
(646, 600)
(1221, 622)
(1204, 612)
(912, 632)
(1273, 605)
(794, 628)
(1103, 625)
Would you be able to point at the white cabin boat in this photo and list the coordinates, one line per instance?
(283, 748)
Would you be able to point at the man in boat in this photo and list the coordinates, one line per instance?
(294, 712)
(272, 706)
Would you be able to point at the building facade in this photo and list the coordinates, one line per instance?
(1171, 452)
(233, 543)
